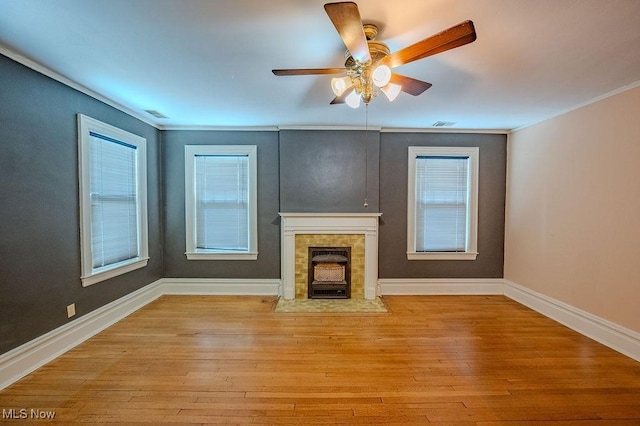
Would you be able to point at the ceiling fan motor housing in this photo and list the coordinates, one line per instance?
(361, 73)
(377, 49)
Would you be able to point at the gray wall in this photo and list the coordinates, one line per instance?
(324, 171)
(39, 216)
(329, 170)
(175, 261)
(298, 171)
(393, 261)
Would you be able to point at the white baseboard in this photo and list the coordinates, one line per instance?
(609, 334)
(24, 359)
(222, 286)
(439, 286)
(603, 331)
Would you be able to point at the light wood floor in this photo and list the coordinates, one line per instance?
(232, 360)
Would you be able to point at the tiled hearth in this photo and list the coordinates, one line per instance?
(356, 230)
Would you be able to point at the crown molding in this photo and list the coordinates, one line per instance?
(580, 105)
(29, 63)
(443, 130)
(222, 128)
(365, 128)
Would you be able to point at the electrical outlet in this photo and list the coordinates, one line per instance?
(71, 310)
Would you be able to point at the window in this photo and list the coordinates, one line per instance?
(113, 200)
(442, 208)
(221, 202)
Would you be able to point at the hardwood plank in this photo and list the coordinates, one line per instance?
(455, 360)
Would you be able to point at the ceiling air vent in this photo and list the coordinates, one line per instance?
(443, 124)
(155, 113)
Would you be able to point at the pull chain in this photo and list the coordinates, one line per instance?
(366, 152)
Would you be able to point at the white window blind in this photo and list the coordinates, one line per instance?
(114, 221)
(222, 202)
(441, 203)
(113, 201)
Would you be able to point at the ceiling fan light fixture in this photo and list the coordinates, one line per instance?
(340, 84)
(381, 75)
(391, 91)
(368, 62)
(353, 99)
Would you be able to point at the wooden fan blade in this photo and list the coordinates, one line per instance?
(453, 37)
(409, 85)
(346, 18)
(309, 71)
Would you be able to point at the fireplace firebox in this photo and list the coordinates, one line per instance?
(329, 273)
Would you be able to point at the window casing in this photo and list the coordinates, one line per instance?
(221, 202)
(113, 201)
(442, 203)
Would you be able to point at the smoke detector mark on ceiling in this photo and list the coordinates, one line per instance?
(155, 113)
(443, 124)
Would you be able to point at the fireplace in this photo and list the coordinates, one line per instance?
(329, 275)
(335, 230)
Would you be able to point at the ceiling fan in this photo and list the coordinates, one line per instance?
(369, 62)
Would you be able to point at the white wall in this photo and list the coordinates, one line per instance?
(573, 208)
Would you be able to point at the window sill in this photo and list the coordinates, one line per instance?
(441, 256)
(114, 271)
(221, 256)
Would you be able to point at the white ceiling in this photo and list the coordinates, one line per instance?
(208, 62)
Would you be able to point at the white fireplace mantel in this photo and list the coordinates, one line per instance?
(330, 223)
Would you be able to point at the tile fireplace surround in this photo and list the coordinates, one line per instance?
(329, 223)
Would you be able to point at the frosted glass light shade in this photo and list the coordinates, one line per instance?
(391, 91)
(353, 99)
(381, 75)
(340, 84)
